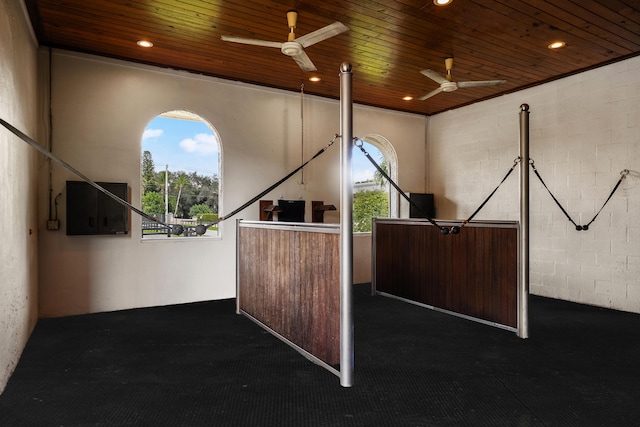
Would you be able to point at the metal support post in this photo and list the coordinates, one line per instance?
(346, 227)
(523, 288)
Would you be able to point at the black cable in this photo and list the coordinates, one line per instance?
(444, 230)
(175, 228)
(533, 166)
(515, 163)
(256, 198)
(623, 175)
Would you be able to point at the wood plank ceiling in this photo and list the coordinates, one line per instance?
(388, 42)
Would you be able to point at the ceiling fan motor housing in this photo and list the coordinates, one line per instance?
(291, 48)
(449, 86)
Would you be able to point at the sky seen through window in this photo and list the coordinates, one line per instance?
(190, 146)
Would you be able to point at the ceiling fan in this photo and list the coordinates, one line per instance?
(448, 85)
(294, 47)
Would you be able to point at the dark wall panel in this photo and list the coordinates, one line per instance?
(474, 273)
(290, 281)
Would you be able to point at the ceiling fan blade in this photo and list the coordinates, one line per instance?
(480, 83)
(434, 76)
(304, 62)
(322, 34)
(430, 94)
(251, 41)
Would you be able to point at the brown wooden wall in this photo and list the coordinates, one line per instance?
(474, 273)
(289, 280)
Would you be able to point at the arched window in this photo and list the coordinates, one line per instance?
(180, 174)
(372, 193)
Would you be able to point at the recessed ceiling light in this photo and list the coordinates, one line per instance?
(407, 98)
(557, 45)
(314, 79)
(144, 43)
(442, 2)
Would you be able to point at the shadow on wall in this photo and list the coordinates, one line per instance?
(444, 208)
(361, 258)
(76, 295)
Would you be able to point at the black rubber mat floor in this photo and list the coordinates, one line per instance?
(203, 365)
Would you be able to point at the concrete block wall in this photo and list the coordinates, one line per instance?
(19, 166)
(584, 130)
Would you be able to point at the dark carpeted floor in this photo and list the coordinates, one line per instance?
(203, 365)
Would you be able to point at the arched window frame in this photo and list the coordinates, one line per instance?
(390, 155)
(181, 114)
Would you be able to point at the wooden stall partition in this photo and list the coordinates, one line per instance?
(473, 274)
(289, 281)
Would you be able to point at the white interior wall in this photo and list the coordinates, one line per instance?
(18, 185)
(584, 130)
(100, 110)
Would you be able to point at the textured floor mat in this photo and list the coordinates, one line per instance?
(203, 365)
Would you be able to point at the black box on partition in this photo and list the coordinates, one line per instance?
(291, 210)
(90, 211)
(424, 203)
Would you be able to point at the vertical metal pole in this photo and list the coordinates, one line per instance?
(346, 227)
(166, 194)
(238, 249)
(523, 291)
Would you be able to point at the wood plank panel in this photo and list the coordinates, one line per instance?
(388, 42)
(473, 273)
(290, 281)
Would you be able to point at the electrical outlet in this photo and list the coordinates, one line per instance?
(53, 224)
